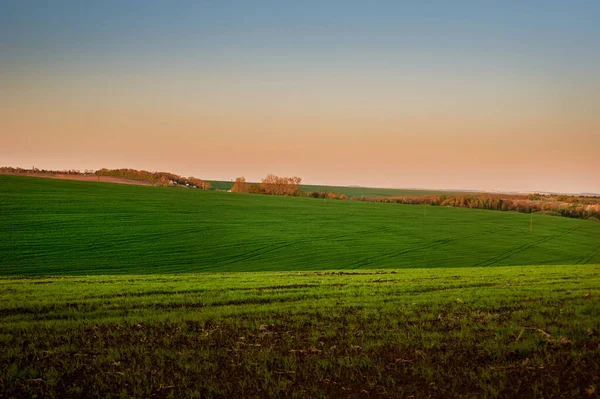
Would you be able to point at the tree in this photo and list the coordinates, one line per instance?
(240, 186)
(275, 185)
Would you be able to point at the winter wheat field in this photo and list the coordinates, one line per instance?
(164, 292)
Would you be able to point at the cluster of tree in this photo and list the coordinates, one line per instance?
(565, 199)
(156, 178)
(10, 169)
(275, 185)
(241, 186)
(270, 185)
(583, 207)
(327, 195)
(525, 204)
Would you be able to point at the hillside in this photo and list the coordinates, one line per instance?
(59, 227)
(123, 176)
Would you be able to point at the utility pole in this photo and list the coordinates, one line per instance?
(531, 223)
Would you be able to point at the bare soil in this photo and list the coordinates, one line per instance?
(64, 176)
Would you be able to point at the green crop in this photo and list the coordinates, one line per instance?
(54, 227)
(111, 290)
(469, 332)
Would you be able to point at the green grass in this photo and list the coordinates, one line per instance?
(350, 191)
(220, 184)
(58, 227)
(467, 332)
(419, 304)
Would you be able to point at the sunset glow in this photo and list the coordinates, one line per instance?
(442, 95)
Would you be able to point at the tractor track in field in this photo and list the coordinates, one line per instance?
(586, 259)
(256, 253)
(92, 247)
(270, 248)
(52, 312)
(505, 255)
(436, 243)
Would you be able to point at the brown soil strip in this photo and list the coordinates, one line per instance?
(105, 179)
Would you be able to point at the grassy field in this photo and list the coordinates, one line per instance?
(98, 297)
(350, 191)
(55, 227)
(469, 332)
(220, 184)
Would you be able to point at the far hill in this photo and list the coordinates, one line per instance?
(350, 191)
(123, 176)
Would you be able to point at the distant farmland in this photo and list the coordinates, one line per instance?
(55, 227)
(349, 191)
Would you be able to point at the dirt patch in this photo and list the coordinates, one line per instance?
(341, 273)
(104, 179)
(286, 287)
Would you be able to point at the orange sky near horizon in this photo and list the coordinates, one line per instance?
(371, 149)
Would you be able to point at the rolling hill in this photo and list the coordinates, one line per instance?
(54, 227)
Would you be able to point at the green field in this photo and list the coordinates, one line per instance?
(111, 290)
(469, 332)
(55, 227)
(350, 191)
(220, 184)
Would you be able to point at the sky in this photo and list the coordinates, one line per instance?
(487, 95)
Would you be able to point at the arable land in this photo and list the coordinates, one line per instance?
(521, 331)
(83, 177)
(59, 227)
(113, 290)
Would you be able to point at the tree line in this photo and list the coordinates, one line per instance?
(580, 207)
(270, 185)
(17, 170)
(156, 178)
(276, 185)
